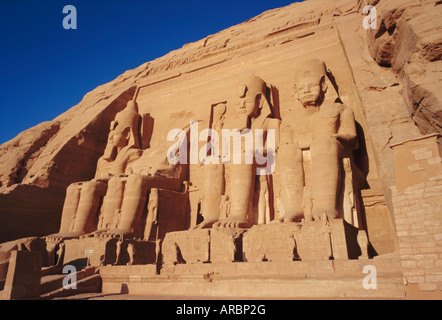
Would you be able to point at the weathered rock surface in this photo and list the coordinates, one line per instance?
(409, 40)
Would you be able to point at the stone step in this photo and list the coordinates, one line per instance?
(53, 284)
(90, 284)
(291, 280)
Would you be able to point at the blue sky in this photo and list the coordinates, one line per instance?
(45, 69)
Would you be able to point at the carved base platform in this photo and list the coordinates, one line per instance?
(258, 280)
(282, 261)
(203, 246)
(317, 240)
(102, 251)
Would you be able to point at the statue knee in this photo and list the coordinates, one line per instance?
(93, 187)
(88, 187)
(136, 181)
(114, 181)
(72, 189)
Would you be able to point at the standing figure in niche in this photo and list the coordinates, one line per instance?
(118, 250)
(264, 201)
(132, 252)
(152, 212)
(363, 244)
(157, 251)
(225, 207)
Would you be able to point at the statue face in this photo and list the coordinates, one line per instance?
(248, 105)
(251, 92)
(309, 90)
(118, 137)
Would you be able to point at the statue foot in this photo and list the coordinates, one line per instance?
(116, 233)
(296, 216)
(283, 220)
(232, 223)
(322, 214)
(99, 233)
(204, 225)
(64, 236)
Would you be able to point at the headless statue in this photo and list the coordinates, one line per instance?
(326, 127)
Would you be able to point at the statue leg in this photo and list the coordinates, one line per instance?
(292, 182)
(213, 191)
(134, 201)
(88, 207)
(325, 177)
(70, 207)
(242, 186)
(112, 201)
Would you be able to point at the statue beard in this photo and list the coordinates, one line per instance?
(316, 103)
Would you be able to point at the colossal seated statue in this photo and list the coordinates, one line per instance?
(83, 199)
(324, 127)
(113, 202)
(253, 108)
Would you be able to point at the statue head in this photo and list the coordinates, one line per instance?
(131, 105)
(310, 82)
(252, 92)
(123, 131)
(118, 136)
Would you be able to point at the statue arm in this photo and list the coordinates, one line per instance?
(132, 157)
(275, 124)
(347, 131)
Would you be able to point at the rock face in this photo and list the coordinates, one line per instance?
(336, 95)
(409, 41)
